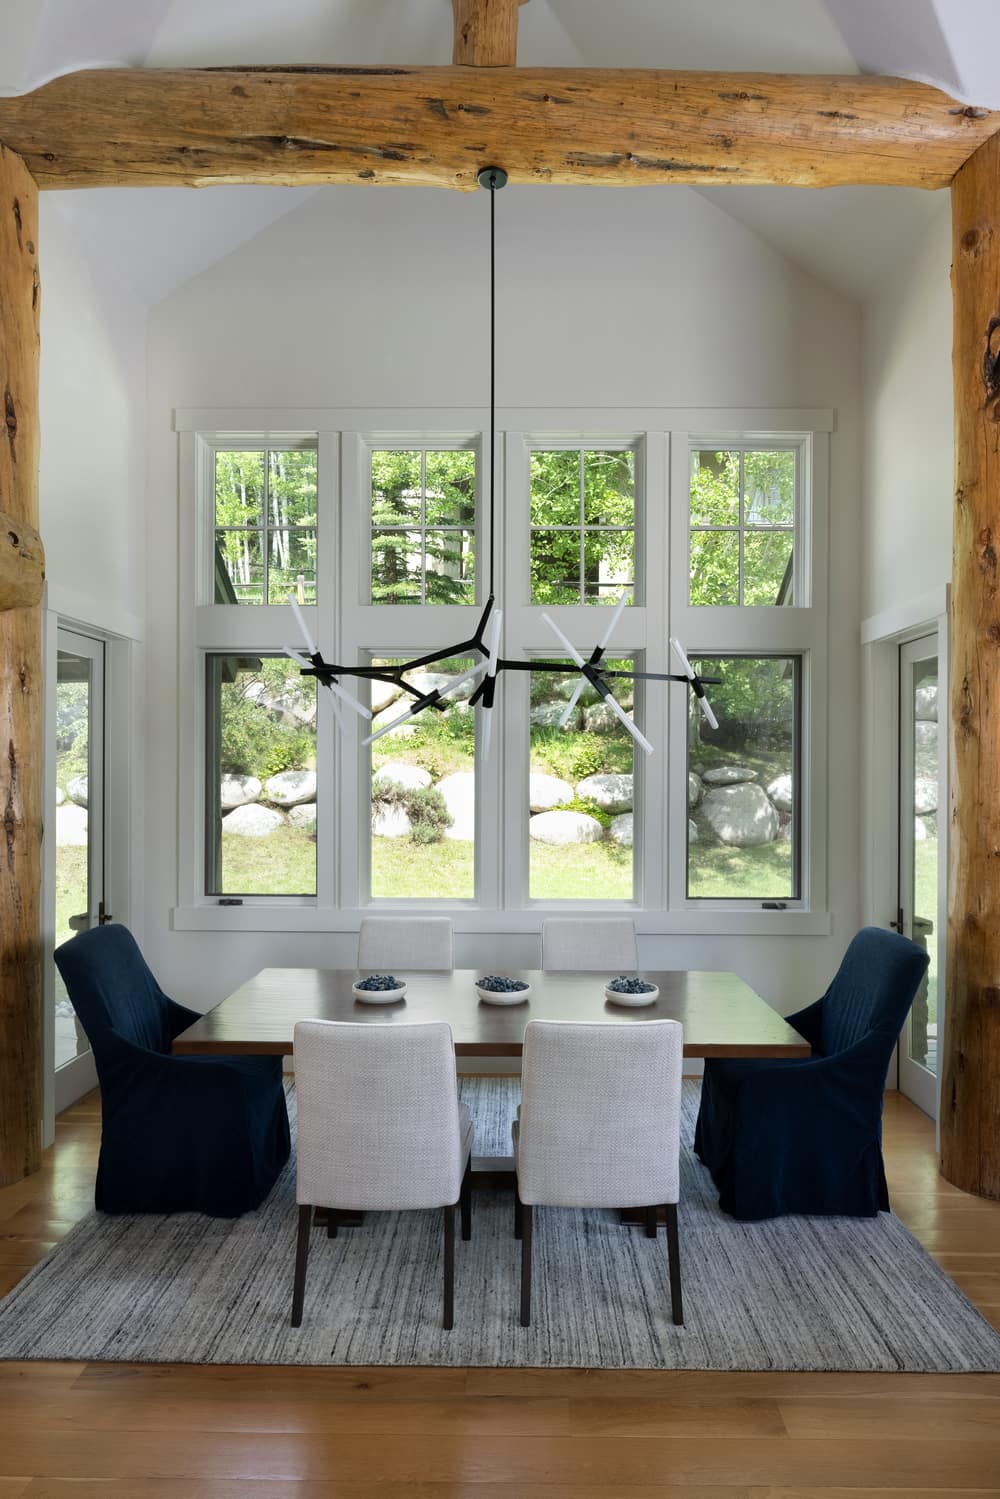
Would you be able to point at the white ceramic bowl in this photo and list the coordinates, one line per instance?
(377, 996)
(491, 997)
(632, 1001)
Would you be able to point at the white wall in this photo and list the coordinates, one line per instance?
(365, 297)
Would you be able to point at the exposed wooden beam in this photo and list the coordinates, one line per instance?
(970, 1093)
(20, 689)
(22, 564)
(439, 126)
(485, 33)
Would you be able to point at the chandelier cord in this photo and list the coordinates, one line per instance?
(493, 378)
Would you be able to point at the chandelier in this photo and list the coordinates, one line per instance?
(485, 640)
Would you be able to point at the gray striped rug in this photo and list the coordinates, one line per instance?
(796, 1293)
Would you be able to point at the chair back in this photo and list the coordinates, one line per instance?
(405, 942)
(600, 1113)
(602, 945)
(872, 992)
(378, 1115)
(112, 990)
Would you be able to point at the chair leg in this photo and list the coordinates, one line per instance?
(518, 1211)
(674, 1256)
(526, 1264)
(331, 1223)
(301, 1259)
(448, 1321)
(651, 1216)
(466, 1201)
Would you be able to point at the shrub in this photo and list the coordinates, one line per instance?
(424, 806)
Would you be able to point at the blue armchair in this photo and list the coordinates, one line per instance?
(805, 1136)
(180, 1133)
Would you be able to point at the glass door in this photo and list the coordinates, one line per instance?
(79, 824)
(921, 870)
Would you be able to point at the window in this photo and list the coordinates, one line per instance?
(423, 533)
(743, 839)
(582, 525)
(742, 526)
(265, 525)
(262, 781)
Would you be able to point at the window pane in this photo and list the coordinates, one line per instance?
(262, 777)
(291, 487)
(742, 793)
(715, 567)
(291, 566)
(715, 488)
(581, 792)
(607, 565)
(609, 488)
(573, 493)
(451, 488)
(450, 567)
(239, 489)
(555, 487)
(767, 567)
(423, 792)
(239, 567)
(555, 567)
(396, 567)
(395, 488)
(769, 489)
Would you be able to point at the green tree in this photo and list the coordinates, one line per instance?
(423, 526)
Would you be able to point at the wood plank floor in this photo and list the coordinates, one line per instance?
(114, 1431)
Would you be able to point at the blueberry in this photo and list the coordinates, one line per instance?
(379, 981)
(625, 985)
(495, 983)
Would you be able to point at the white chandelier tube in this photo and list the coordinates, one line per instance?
(688, 671)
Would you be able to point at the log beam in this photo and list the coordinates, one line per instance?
(485, 33)
(22, 564)
(20, 689)
(438, 126)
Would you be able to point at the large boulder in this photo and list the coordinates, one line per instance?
(729, 775)
(304, 817)
(390, 822)
(390, 715)
(588, 693)
(236, 791)
(925, 795)
(549, 716)
(439, 681)
(692, 831)
(382, 694)
(600, 719)
(252, 821)
(411, 777)
(290, 787)
(546, 792)
(782, 792)
(741, 815)
(60, 796)
(76, 790)
(695, 789)
(612, 792)
(621, 829)
(459, 792)
(560, 828)
(925, 703)
(71, 826)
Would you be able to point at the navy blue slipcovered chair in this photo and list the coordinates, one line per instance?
(805, 1135)
(200, 1134)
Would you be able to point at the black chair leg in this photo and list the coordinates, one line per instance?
(331, 1223)
(674, 1256)
(526, 1264)
(301, 1260)
(448, 1320)
(465, 1201)
(651, 1216)
(518, 1211)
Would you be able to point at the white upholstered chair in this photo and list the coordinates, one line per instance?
(405, 942)
(599, 1127)
(381, 1129)
(603, 944)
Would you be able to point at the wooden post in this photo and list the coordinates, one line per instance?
(970, 1095)
(485, 33)
(20, 684)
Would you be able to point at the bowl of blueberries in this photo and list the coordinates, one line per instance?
(379, 989)
(497, 989)
(631, 992)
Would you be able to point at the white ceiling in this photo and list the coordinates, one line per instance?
(847, 237)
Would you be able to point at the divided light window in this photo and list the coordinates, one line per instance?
(423, 526)
(265, 525)
(742, 526)
(582, 525)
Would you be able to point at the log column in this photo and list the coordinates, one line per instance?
(970, 1096)
(20, 680)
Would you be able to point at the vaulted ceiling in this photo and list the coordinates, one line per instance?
(845, 236)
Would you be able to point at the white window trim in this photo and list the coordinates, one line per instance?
(663, 437)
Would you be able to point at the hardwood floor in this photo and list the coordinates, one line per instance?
(114, 1431)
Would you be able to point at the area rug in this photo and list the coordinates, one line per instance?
(796, 1293)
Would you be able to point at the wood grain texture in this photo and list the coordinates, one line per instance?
(20, 689)
(439, 126)
(721, 1015)
(22, 564)
(485, 33)
(970, 1094)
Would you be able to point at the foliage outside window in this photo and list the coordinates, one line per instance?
(582, 525)
(265, 525)
(743, 782)
(423, 526)
(581, 792)
(742, 526)
(423, 791)
(262, 782)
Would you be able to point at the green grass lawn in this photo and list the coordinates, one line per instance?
(71, 888)
(283, 863)
(724, 873)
